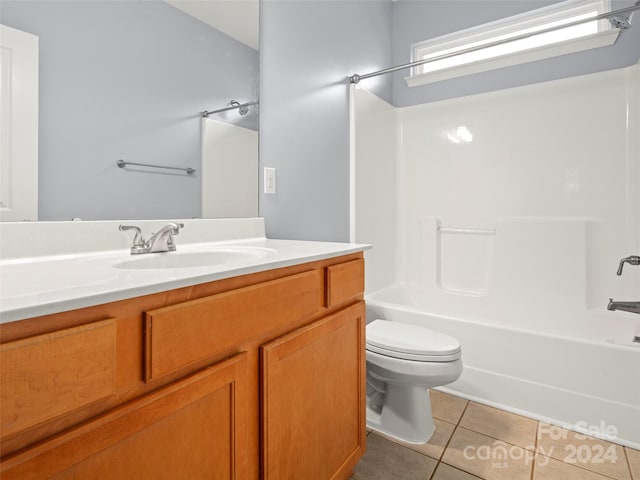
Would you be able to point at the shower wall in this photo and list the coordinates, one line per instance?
(374, 191)
(514, 206)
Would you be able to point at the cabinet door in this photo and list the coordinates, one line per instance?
(191, 429)
(313, 405)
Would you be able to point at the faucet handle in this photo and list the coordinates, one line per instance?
(138, 239)
(631, 260)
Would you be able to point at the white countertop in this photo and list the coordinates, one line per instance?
(42, 284)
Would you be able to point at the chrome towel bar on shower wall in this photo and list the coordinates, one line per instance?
(188, 170)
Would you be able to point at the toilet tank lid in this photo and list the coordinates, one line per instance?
(404, 337)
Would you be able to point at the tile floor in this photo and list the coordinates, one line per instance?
(473, 441)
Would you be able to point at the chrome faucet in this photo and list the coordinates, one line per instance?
(161, 241)
(633, 307)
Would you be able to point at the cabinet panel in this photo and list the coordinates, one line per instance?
(344, 281)
(192, 429)
(55, 373)
(313, 406)
(184, 333)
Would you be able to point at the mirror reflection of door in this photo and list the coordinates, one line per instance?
(18, 125)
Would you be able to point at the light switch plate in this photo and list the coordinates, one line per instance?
(269, 180)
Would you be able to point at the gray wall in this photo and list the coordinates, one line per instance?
(418, 20)
(127, 79)
(308, 48)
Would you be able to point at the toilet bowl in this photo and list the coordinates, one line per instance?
(403, 362)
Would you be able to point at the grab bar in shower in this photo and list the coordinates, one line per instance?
(188, 170)
(468, 231)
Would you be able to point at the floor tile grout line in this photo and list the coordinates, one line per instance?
(464, 410)
(434, 471)
(460, 469)
(465, 471)
(455, 427)
(535, 452)
(447, 444)
(626, 455)
(488, 436)
(496, 438)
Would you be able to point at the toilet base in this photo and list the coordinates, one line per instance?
(406, 414)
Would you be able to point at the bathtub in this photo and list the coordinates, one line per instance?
(582, 374)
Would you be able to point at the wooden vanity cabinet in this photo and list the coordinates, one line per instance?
(257, 376)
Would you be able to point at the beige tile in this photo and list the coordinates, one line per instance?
(590, 453)
(546, 468)
(447, 407)
(634, 462)
(435, 446)
(385, 460)
(501, 425)
(447, 472)
(487, 457)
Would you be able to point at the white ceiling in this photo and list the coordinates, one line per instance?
(237, 18)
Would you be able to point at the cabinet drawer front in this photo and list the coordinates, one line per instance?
(344, 281)
(55, 373)
(182, 334)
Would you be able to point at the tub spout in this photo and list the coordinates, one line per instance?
(633, 307)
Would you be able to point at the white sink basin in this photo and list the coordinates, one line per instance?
(210, 257)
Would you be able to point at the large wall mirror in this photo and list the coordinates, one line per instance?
(129, 80)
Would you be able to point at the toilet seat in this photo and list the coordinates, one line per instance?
(411, 342)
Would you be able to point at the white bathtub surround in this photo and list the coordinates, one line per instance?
(49, 267)
(374, 183)
(508, 238)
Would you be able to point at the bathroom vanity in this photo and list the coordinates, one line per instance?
(250, 370)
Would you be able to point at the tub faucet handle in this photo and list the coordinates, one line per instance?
(631, 260)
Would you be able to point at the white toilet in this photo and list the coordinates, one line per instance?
(403, 362)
